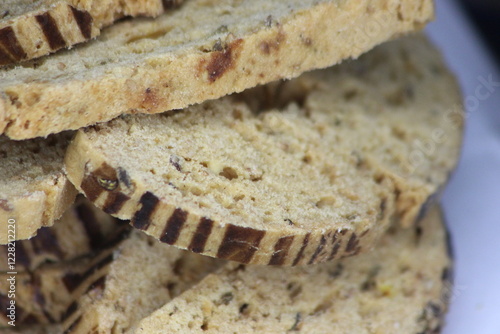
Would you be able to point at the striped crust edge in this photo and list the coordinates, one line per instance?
(71, 281)
(222, 70)
(92, 228)
(115, 193)
(36, 34)
(61, 26)
(428, 318)
(186, 270)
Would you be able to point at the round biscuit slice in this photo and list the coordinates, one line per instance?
(204, 50)
(292, 173)
(403, 286)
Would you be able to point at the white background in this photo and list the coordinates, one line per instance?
(472, 199)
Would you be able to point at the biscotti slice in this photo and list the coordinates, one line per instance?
(30, 29)
(292, 173)
(45, 295)
(204, 50)
(82, 229)
(34, 190)
(144, 275)
(121, 285)
(400, 287)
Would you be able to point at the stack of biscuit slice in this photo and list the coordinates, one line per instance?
(224, 166)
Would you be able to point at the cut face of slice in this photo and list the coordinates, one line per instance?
(31, 29)
(402, 286)
(288, 174)
(143, 276)
(34, 191)
(82, 229)
(204, 50)
(103, 291)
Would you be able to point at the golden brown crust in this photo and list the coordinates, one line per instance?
(155, 67)
(33, 30)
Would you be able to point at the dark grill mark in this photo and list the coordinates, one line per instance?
(174, 226)
(281, 249)
(87, 218)
(201, 235)
(91, 187)
(73, 280)
(318, 250)
(240, 243)
(169, 4)
(10, 43)
(84, 21)
(51, 31)
(46, 242)
(141, 219)
(353, 244)
(334, 252)
(336, 246)
(300, 255)
(4, 57)
(70, 310)
(114, 202)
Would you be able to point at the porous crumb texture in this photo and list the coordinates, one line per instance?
(30, 29)
(204, 50)
(291, 173)
(401, 287)
(34, 190)
(82, 229)
(143, 276)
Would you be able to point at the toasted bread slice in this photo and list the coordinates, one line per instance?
(202, 51)
(293, 173)
(403, 286)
